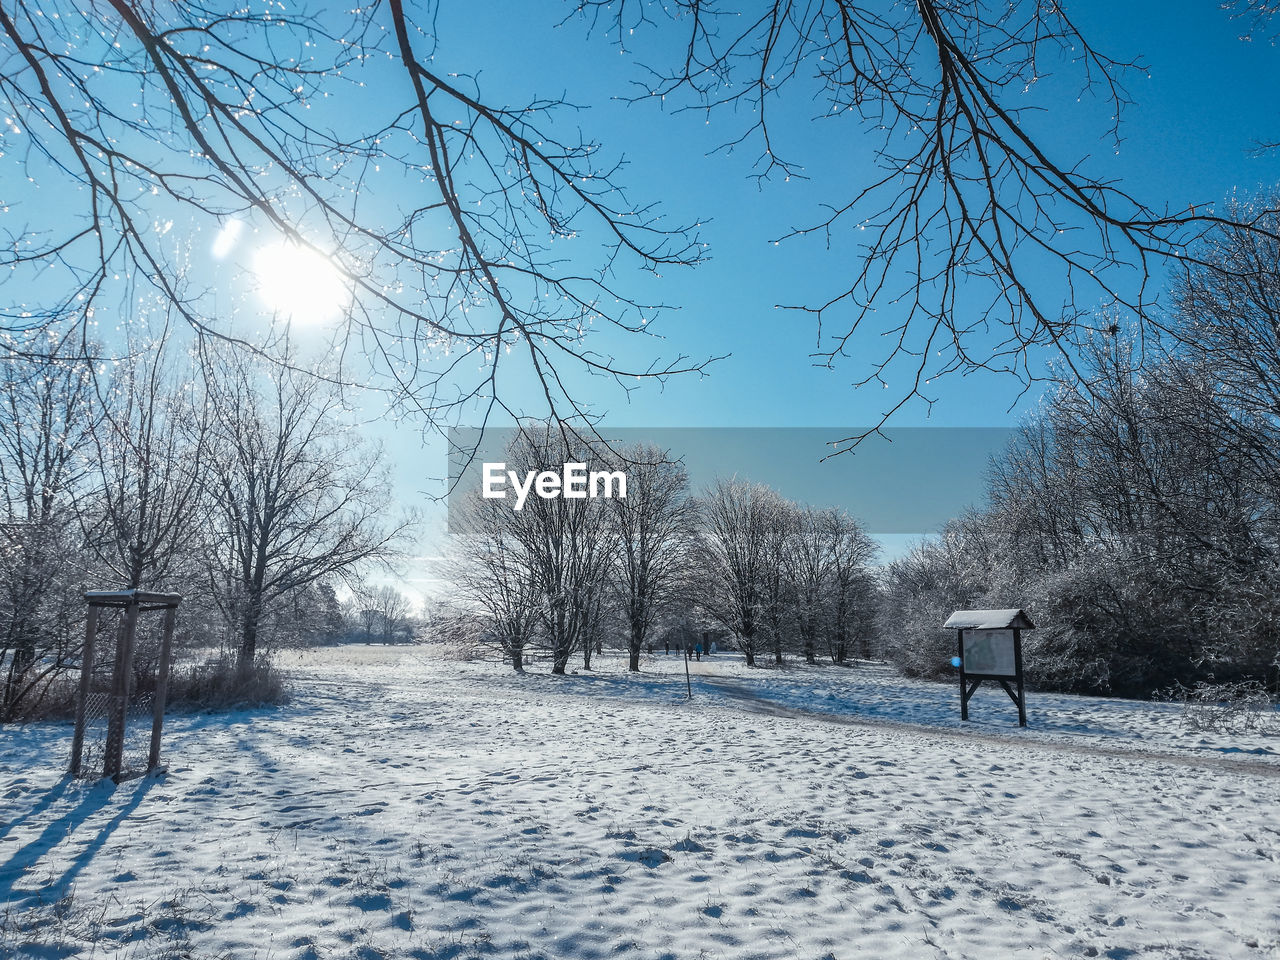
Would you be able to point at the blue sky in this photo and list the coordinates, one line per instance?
(1204, 100)
(1187, 139)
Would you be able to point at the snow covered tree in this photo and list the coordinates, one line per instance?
(46, 417)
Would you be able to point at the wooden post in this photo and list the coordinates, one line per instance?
(162, 689)
(688, 685)
(120, 678)
(86, 680)
(964, 698)
(1017, 659)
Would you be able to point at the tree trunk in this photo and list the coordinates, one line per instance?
(517, 656)
(560, 655)
(249, 636)
(20, 661)
(637, 639)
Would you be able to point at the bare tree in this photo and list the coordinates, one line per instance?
(654, 526)
(297, 497)
(489, 572)
(828, 560)
(45, 424)
(852, 598)
(183, 114)
(738, 519)
(149, 456)
(392, 608)
(778, 606)
(567, 544)
(1230, 306)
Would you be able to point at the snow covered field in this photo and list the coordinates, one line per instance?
(401, 807)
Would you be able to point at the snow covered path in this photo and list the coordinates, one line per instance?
(403, 808)
(755, 701)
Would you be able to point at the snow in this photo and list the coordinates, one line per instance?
(407, 807)
(988, 620)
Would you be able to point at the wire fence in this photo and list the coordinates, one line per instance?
(139, 706)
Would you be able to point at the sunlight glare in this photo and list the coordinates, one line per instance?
(300, 284)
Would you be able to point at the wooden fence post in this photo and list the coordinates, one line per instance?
(162, 688)
(86, 679)
(120, 679)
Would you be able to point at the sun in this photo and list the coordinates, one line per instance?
(300, 284)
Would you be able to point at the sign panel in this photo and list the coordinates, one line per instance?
(988, 653)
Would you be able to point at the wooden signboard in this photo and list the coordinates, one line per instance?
(990, 648)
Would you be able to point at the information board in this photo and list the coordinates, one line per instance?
(988, 653)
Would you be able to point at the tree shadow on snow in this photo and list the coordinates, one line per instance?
(65, 827)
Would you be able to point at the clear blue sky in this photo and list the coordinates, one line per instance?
(1187, 140)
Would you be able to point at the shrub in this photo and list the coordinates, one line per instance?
(1242, 706)
(219, 683)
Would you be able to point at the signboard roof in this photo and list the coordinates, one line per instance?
(989, 620)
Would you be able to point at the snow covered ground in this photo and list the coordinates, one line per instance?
(404, 807)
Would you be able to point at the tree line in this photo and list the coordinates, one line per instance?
(1137, 513)
(739, 562)
(212, 473)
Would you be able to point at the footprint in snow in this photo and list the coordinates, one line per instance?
(370, 902)
(689, 845)
(649, 856)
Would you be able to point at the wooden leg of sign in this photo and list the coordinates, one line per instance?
(964, 700)
(82, 702)
(1022, 693)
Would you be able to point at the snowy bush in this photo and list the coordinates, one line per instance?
(1242, 706)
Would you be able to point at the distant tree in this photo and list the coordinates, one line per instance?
(492, 575)
(833, 594)
(568, 544)
(393, 609)
(654, 526)
(297, 498)
(738, 520)
(778, 600)
(307, 617)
